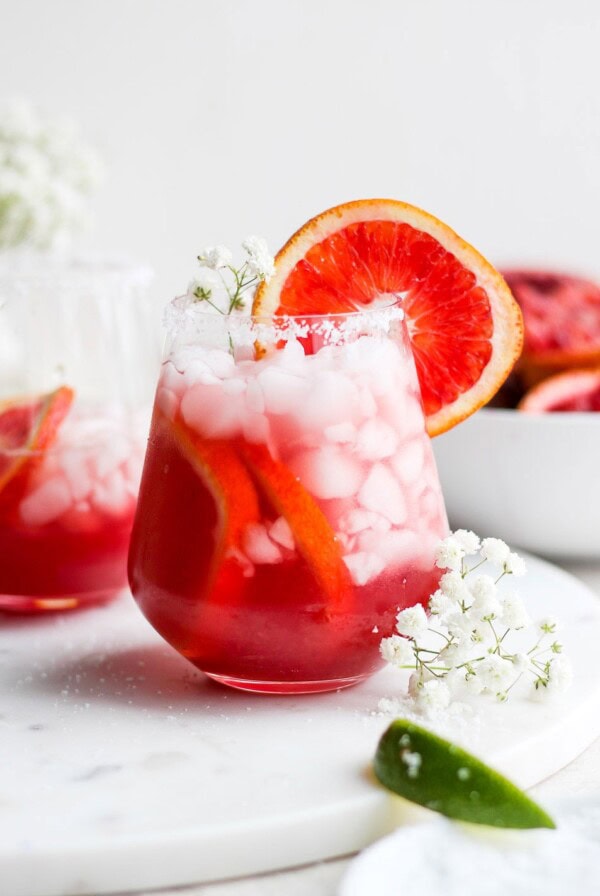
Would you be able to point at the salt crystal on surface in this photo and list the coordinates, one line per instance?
(376, 440)
(382, 494)
(46, 503)
(281, 532)
(364, 566)
(327, 472)
(258, 547)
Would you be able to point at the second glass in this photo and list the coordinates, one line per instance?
(290, 504)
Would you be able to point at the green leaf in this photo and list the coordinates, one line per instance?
(435, 773)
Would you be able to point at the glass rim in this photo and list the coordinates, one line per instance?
(183, 303)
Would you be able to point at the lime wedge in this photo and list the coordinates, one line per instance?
(435, 773)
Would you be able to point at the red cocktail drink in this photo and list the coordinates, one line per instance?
(290, 504)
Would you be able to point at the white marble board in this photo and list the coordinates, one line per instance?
(123, 768)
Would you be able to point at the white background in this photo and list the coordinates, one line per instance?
(222, 117)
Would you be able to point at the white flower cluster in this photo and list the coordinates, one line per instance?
(220, 284)
(46, 178)
(471, 620)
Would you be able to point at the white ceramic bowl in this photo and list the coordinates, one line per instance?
(530, 479)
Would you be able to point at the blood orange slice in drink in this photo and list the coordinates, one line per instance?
(313, 535)
(562, 321)
(28, 426)
(465, 327)
(225, 477)
(573, 390)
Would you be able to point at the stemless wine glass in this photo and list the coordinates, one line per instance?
(78, 346)
(290, 503)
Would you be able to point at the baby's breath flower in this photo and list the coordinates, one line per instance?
(454, 587)
(495, 673)
(521, 662)
(397, 651)
(549, 625)
(485, 600)
(432, 696)
(513, 613)
(495, 550)
(467, 540)
(468, 643)
(560, 675)
(260, 261)
(515, 565)
(202, 286)
(449, 554)
(215, 257)
(412, 622)
(441, 605)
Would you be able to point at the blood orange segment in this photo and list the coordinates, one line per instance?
(314, 537)
(562, 319)
(574, 390)
(28, 426)
(226, 478)
(465, 327)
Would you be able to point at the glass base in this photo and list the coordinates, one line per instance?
(26, 603)
(286, 687)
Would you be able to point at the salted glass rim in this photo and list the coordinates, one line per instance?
(183, 304)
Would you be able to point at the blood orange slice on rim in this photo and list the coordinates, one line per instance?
(574, 390)
(28, 426)
(465, 327)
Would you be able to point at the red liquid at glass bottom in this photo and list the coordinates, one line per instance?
(271, 632)
(60, 566)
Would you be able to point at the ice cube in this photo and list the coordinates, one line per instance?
(341, 433)
(283, 392)
(381, 361)
(197, 371)
(48, 502)
(399, 547)
(258, 547)
(234, 386)
(327, 473)
(403, 412)
(382, 494)
(331, 398)
(171, 378)
(358, 520)
(364, 566)
(376, 440)
(291, 357)
(220, 362)
(281, 532)
(254, 397)
(76, 470)
(256, 429)
(408, 462)
(212, 413)
(167, 401)
(112, 495)
(110, 454)
(367, 404)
